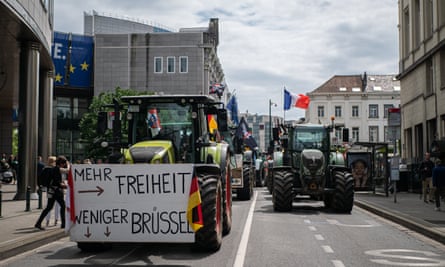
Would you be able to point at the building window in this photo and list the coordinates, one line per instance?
(373, 111)
(386, 107)
(355, 133)
(63, 108)
(183, 64)
(429, 13)
(170, 64)
(429, 76)
(416, 22)
(320, 111)
(373, 133)
(441, 12)
(355, 111)
(442, 67)
(158, 65)
(406, 32)
(338, 111)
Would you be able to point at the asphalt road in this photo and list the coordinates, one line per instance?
(309, 235)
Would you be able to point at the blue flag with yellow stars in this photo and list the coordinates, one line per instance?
(81, 59)
(60, 56)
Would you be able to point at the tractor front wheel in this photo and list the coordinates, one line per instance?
(343, 197)
(209, 237)
(282, 195)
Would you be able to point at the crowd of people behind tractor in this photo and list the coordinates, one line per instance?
(9, 164)
(433, 180)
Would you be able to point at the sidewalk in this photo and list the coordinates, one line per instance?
(409, 210)
(17, 232)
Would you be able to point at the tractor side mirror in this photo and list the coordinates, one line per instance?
(222, 120)
(101, 123)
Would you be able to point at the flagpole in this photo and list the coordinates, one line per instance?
(284, 110)
(270, 121)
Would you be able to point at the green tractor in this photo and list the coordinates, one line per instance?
(180, 129)
(306, 166)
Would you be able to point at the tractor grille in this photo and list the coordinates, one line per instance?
(313, 160)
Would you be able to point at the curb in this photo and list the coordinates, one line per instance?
(419, 226)
(17, 246)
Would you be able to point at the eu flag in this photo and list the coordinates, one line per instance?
(81, 61)
(60, 56)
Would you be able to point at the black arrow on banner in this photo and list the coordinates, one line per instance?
(88, 234)
(108, 232)
(99, 191)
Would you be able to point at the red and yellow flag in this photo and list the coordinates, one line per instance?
(213, 125)
(194, 208)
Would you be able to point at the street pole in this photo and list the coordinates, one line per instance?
(270, 121)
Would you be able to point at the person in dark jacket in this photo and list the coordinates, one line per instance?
(439, 182)
(426, 173)
(55, 193)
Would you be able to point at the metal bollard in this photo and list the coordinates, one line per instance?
(39, 192)
(28, 199)
(1, 203)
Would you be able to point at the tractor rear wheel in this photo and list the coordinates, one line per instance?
(227, 215)
(246, 192)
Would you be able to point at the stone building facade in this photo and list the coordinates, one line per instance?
(26, 84)
(422, 75)
(359, 102)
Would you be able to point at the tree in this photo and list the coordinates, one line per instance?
(88, 123)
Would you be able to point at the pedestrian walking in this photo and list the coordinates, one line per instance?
(439, 182)
(55, 192)
(426, 173)
(43, 180)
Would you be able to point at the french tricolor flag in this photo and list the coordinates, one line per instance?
(297, 101)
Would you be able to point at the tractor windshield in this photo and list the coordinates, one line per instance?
(163, 121)
(310, 138)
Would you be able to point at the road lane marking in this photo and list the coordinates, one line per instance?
(370, 224)
(241, 253)
(405, 256)
(312, 228)
(307, 221)
(338, 263)
(327, 249)
(319, 237)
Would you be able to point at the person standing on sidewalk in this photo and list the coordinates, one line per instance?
(55, 193)
(426, 173)
(439, 182)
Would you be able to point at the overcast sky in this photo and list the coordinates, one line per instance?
(266, 45)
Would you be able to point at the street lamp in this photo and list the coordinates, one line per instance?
(270, 120)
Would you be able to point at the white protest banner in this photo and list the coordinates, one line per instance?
(131, 203)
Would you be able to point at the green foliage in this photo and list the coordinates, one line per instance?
(88, 123)
(15, 141)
